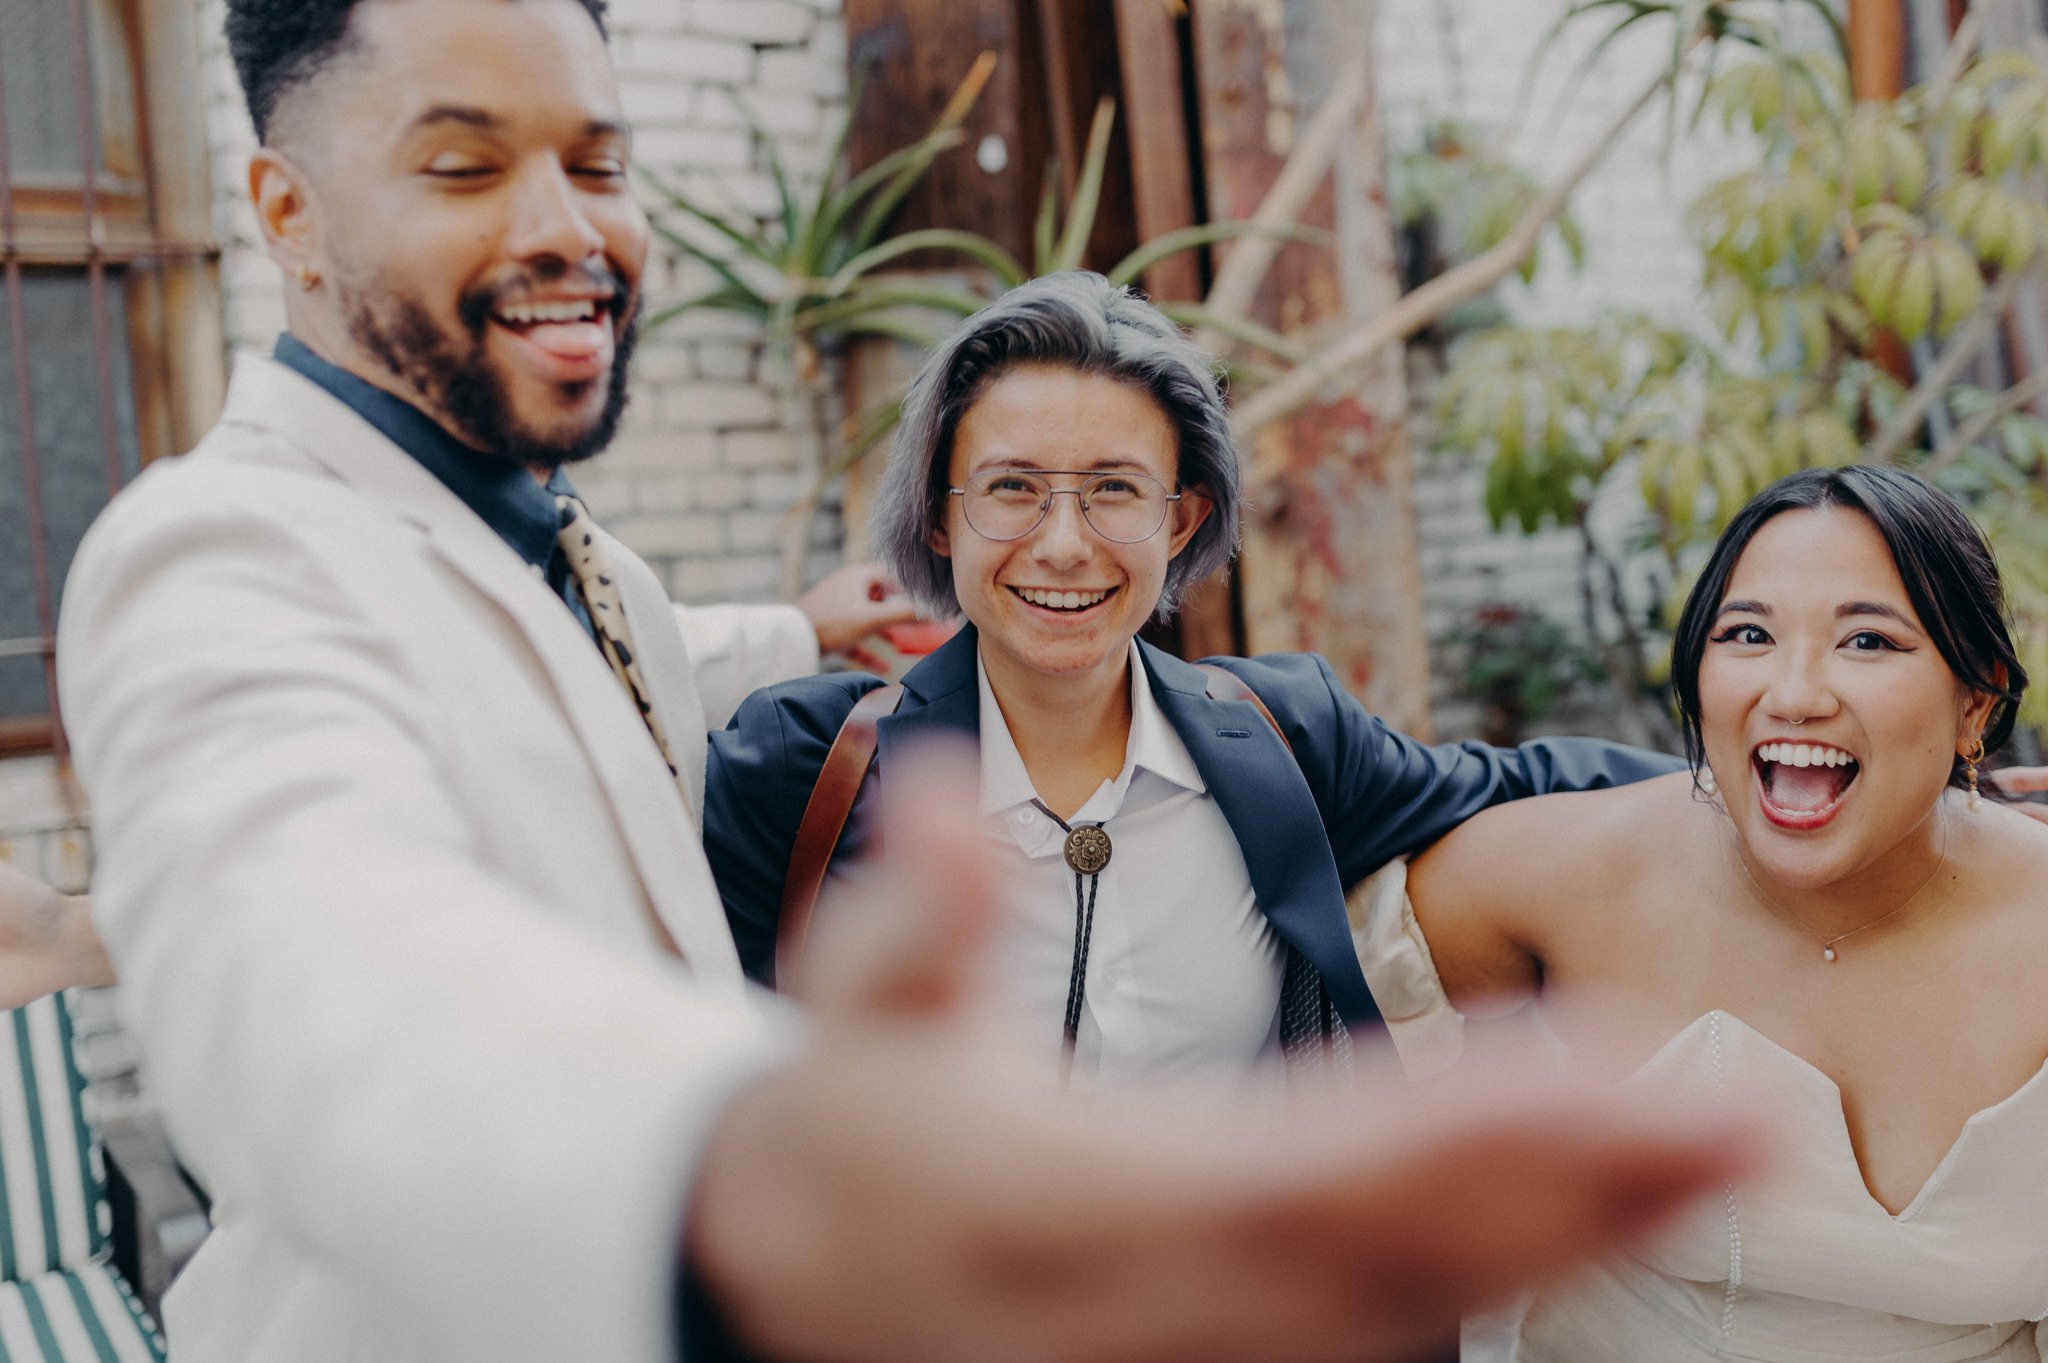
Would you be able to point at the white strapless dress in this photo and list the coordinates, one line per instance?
(1806, 1266)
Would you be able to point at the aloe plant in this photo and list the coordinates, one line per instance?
(806, 277)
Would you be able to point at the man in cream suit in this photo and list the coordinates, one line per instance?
(413, 922)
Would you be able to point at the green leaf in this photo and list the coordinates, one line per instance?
(786, 202)
(976, 247)
(1045, 228)
(873, 298)
(741, 233)
(717, 265)
(1131, 267)
(724, 298)
(1073, 242)
(892, 190)
(1195, 316)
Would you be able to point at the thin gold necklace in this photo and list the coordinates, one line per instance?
(1827, 944)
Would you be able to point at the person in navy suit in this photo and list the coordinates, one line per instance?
(1064, 473)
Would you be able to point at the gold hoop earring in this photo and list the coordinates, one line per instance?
(1970, 761)
(308, 277)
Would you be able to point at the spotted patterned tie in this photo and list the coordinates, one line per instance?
(601, 594)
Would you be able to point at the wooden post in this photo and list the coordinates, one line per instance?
(1877, 48)
(1329, 558)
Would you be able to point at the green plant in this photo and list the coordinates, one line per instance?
(816, 277)
(1861, 229)
(1519, 664)
(1457, 198)
(806, 277)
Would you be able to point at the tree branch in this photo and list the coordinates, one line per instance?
(1971, 431)
(1426, 304)
(1960, 49)
(1971, 337)
(1244, 269)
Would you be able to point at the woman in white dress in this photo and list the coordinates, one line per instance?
(1825, 912)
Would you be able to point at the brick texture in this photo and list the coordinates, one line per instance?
(695, 76)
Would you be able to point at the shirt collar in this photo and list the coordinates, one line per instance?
(504, 495)
(1152, 746)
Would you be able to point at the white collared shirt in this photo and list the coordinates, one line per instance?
(1183, 970)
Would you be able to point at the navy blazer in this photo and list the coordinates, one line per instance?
(1351, 796)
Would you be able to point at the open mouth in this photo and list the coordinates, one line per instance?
(1803, 784)
(572, 336)
(1064, 602)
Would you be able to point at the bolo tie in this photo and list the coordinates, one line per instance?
(1086, 850)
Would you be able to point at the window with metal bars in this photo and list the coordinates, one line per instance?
(110, 332)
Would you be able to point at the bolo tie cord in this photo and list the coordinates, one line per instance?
(1084, 910)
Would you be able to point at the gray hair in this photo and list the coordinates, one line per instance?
(1081, 321)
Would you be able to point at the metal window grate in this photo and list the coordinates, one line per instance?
(97, 281)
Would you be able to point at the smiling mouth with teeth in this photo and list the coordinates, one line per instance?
(538, 314)
(1064, 601)
(1803, 780)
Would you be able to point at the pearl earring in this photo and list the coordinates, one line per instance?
(1704, 779)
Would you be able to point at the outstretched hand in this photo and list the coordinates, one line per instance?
(2023, 781)
(47, 940)
(853, 602)
(911, 1189)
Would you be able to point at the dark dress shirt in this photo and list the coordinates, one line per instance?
(503, 494)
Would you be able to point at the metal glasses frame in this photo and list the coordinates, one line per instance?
(1080, 494)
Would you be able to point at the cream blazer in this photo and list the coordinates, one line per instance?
(382, 849)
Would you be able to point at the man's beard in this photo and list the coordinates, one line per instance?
(453, 376)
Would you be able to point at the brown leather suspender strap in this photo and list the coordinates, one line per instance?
(839, 782)
(825, 815)
(1227, 685)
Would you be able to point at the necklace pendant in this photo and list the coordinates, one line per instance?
(1086, 849)
(1827, 953)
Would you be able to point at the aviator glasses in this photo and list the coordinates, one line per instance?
(1008, 504)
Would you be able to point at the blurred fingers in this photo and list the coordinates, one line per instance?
(913, 943)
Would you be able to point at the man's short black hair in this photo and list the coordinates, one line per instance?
(281, 44)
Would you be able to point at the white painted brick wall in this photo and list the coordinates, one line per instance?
(1469, 60)
(712, 415)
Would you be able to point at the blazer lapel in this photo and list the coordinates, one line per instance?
(940, 697)
(1263, 797)
(657, 824)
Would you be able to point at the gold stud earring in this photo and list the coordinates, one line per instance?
(1970, 761)
(308, 277)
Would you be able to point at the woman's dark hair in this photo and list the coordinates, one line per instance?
(1950, 576)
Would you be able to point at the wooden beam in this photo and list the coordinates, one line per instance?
(913, 54)
(1329, 560)
(1877, 48)
(1162, 157)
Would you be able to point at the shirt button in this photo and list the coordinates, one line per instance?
(1023, 816)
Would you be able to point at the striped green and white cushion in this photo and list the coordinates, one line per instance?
(53, 1206)
(84, 1316)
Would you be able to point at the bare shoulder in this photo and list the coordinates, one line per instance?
(1514, 868)
(2014, 846)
